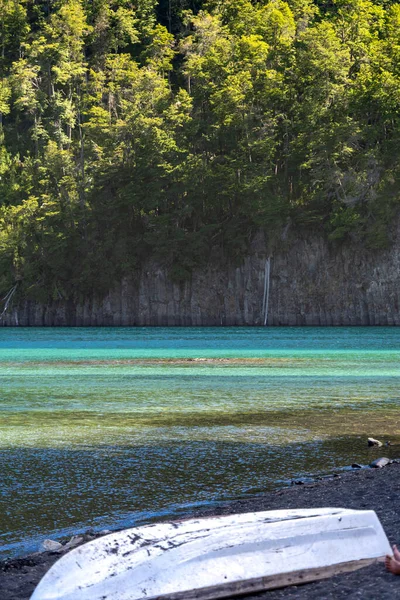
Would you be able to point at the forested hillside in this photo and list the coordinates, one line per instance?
(137, 128)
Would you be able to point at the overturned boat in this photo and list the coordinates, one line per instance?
(217, 557)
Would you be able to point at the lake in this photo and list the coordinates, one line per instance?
(104, 428)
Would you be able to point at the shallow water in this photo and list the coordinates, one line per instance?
(105, 428)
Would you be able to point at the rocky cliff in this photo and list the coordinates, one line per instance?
(310, 281)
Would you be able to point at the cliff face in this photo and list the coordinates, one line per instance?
(310, 282)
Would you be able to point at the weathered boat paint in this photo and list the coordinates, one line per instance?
(217, 557)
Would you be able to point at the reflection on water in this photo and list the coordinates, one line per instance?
(109, 427)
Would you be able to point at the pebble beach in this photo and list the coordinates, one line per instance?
(362, 489)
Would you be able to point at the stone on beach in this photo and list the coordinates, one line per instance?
(50, 546)
(373, 442)
(76, 540)
(380, 462)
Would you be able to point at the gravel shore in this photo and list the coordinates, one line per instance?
(376, 489)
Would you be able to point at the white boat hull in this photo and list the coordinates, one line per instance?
(217, 557)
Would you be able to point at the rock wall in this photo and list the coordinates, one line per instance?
(312, 282)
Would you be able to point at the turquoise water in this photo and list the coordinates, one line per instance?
(106, 428)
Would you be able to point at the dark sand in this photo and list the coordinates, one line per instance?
(376, 489)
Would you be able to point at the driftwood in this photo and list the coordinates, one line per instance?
(7, 299)
(267, 277)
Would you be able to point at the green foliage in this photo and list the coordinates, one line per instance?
(131, 130)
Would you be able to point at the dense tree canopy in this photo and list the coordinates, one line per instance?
(131, 128)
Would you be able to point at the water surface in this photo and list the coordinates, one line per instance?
(106, 428)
